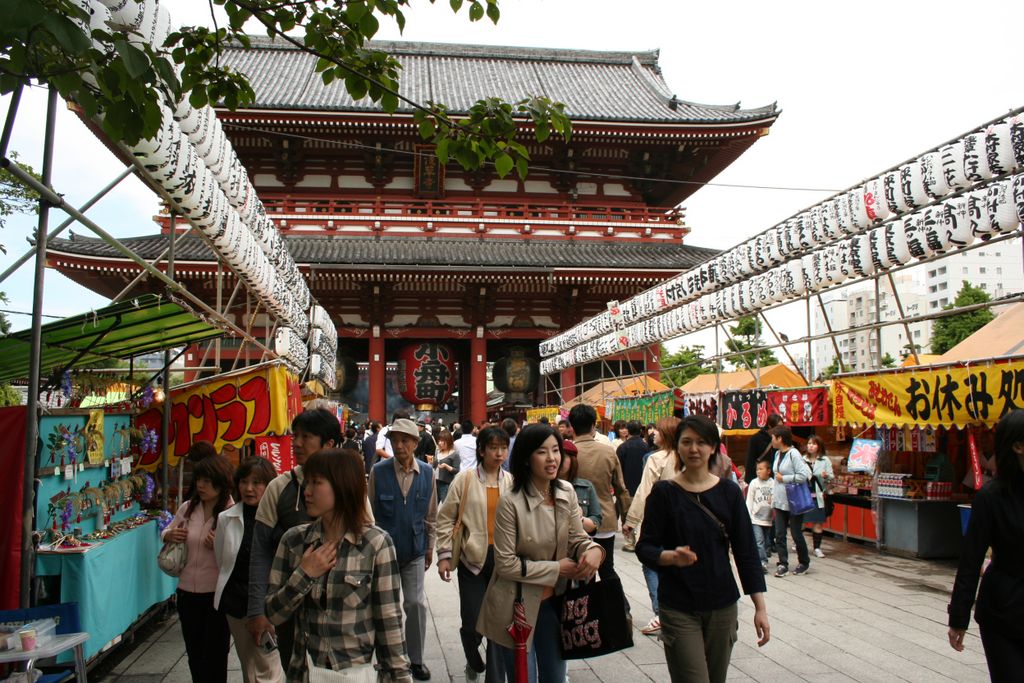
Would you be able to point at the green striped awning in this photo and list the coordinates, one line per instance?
(134, 327)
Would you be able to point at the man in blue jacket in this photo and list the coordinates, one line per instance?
(404, 502)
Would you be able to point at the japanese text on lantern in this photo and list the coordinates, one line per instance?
(432, 376)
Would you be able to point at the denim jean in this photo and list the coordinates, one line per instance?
(763, 539)
(442, 491)
(651, 577)
(544, 659)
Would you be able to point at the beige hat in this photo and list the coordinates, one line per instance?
(404, 426)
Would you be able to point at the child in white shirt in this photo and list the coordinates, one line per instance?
(759, 504)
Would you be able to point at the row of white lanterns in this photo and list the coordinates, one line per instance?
(936, 230)
(976, 158)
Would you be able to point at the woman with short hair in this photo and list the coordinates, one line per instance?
(339, 577)
(821, 478)
(789, 468)
(690, 524)
(473, 499)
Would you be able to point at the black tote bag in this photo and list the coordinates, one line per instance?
(594, 620)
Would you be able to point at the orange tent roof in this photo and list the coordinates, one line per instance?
(924, 358)
(1004, 336)
(778, 375)
(598, 394)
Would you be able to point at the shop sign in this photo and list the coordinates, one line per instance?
(954, 396)
(228, 411)
(533, 415)
(800, 407)
(278, 450)
(643, 409)
(744, 409)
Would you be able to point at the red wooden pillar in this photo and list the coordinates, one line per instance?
(478, 376)
(378, 390)
(568, 381)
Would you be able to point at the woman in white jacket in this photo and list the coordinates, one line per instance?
(472, 500)
(259, 662)
(789, 468)
(662, 464)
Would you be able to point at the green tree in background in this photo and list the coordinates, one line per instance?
(686, 363)
(949, 331)
(832, 369)
(100, 70)
(746, 335)
(888, 361)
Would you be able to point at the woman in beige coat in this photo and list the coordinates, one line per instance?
(473, 500)
(539, 542)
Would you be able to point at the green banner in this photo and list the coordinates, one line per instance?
(643, 409)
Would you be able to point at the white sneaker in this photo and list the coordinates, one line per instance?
(818, 553)
(793, 547)
(653, 626)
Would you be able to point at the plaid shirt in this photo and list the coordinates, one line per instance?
(347, 613)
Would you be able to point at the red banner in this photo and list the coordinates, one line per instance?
(278, 450)
(12, 459)
(972, 449)
(800, 407)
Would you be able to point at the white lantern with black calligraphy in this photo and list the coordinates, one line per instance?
(934, 230)
(776, 248)
(894, 192)
(796, 270)
(1002, 210)
(931, 175)
(975, 164)
(1017, 139)
(844, 214)
(897, 248)
(1018, 195)
(879, 251)
(874, 200)
(913, 226)
(859, 209)
(999, 149)
(776, 285)
(952, 156)
(860, 255)
(807, 224)
(912, 185)
(955, 224)
(978, 215)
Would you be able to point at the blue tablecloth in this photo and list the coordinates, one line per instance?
(113, 584)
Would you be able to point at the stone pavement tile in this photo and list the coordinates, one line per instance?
(766, 671)
(744, 651)
(140, 678)
(796, 659)
(158, 658)
(616, 669)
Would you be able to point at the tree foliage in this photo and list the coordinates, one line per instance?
(888, 361)
(686, 363)
(46, 41)
(15, 197)
(832, 369)
(746, 335)
(949, 331)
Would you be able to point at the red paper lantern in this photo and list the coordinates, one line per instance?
(426, 374)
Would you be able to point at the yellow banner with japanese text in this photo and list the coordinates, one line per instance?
(552, 413)
(952, 396)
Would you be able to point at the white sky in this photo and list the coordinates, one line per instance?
(861, 85)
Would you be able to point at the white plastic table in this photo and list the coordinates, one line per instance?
(52, 648)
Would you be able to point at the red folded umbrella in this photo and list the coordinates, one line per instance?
(520, 630)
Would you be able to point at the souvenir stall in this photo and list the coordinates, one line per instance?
(920, 437)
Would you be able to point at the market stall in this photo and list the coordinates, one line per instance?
(920, 435)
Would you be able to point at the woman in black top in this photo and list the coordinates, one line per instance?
(690, 522)
(997, 522)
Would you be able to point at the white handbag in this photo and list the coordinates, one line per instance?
(362, 673)
(172, 558)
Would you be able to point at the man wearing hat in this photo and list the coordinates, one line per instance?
(404, 504)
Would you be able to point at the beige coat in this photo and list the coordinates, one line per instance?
(659, 463)
(474, 516)
(601, 467)
(520, 532)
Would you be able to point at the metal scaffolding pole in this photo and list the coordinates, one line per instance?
(12, 113)
(906, 325)
(831, 334)
(878, 319)
(810, 359)
(60, 228)
(28, 554)
(167, 252)
(165, 427)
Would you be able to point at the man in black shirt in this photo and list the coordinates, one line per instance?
(631, 455)
(759, 446)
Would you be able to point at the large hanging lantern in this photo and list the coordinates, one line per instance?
(426, 374)
(975, 164)
(978, 215)
(912, 185)
(346, 370)
(932, 176)
(955, 223)
(1002, 211)
(999, 149)
(952, 157)
(896, 245)
(515, 373)
(1017, 139)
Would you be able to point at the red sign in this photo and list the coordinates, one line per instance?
(278, 450)
(426, 374)
(972, 449)
(800, 407)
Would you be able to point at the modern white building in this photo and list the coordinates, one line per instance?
(998, 269)
(864, 350)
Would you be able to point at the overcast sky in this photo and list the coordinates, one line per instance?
(862, 86)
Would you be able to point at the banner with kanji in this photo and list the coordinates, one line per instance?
(745, 409)
(643, 409)
(227, 410)
(277, 450)
(533, 415)
(951, 396)
(800, 407)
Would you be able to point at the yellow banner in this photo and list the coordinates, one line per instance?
(534, 415)
(953, 396)
(228, 411)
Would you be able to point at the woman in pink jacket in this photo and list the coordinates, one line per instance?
(205, 630)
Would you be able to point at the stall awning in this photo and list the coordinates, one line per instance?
(138, 326)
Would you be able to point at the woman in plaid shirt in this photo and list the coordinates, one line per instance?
(339, 576)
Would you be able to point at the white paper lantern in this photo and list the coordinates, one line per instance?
(1018, 195)
(952, 156)
(775, 246)
(879, 253)
(897, 248)
(932, 176)
(1017, 139)
(934, 232)
(288, 344)
(126, 14)
(913, 227)
(912, 185)
(975, 164)
(955, 222)
(999, 149)
(1002, 210)
(858, 209)
(978, 215)
(860, 256)
(893, 189)
(844, 214)
(874, 200)
(807, 231)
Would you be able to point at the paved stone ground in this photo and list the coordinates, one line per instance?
(855, 616)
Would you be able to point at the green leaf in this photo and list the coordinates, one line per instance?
(476, 12)
(135, 60)
(456, 5)
(493, 13)
(442, 150)
(389, 102)
(522, 168)
(426, 129)
(503, 164)
(543, 130)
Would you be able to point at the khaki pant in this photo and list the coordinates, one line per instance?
(258, 665)
(698, 645)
